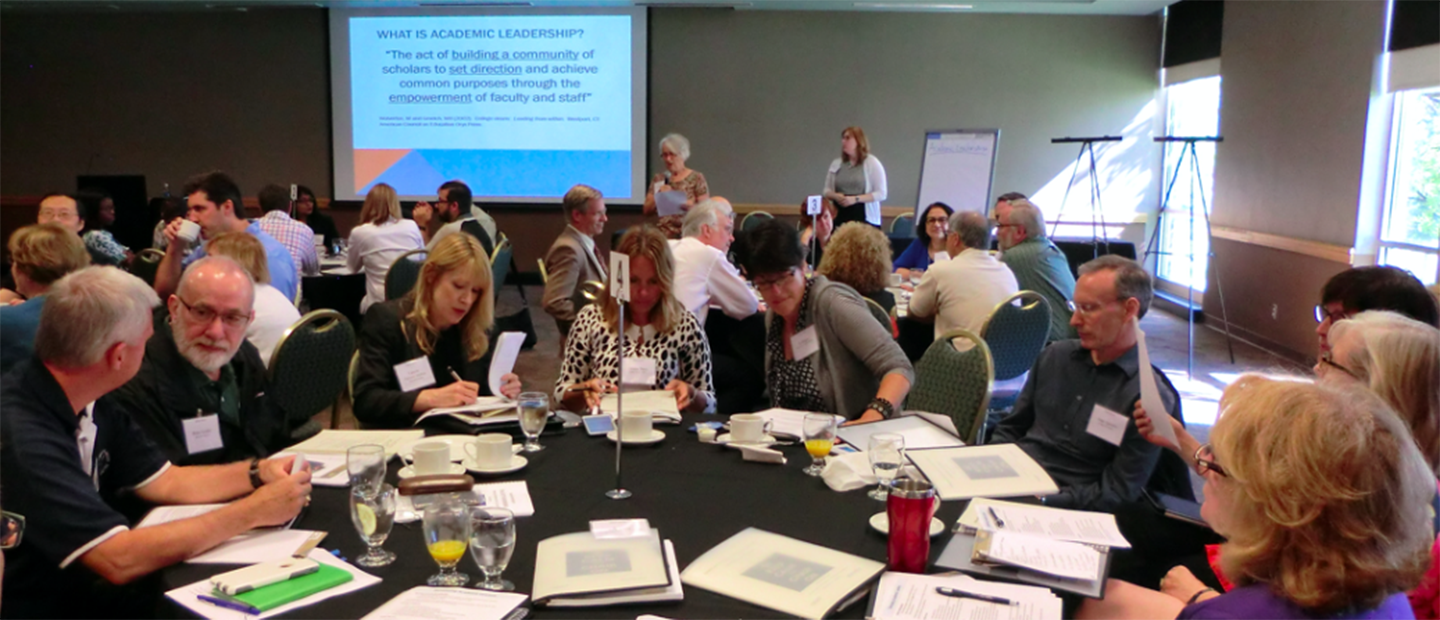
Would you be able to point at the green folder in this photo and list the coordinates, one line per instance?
(289, 591)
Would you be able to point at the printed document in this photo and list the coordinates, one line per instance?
(1096, 528)
(1061, 559)
(1002, 470)
(903, 596)
(427, 603)
(337, 442)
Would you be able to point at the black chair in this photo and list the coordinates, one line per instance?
(403, 274)
(310, 368)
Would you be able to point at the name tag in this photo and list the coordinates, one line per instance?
(202, 434)
(414, 374)
(638, 371)
(1107, 425)
(804, 343)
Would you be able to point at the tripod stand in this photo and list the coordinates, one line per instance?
(1097, 228)
(1187, 152)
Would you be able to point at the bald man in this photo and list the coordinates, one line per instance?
(200, 394)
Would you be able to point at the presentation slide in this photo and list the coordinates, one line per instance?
(519, 105)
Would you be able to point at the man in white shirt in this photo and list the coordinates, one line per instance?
(457, 210)
(962, 291)
(703, 276)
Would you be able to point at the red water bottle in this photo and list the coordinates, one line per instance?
(910, 507)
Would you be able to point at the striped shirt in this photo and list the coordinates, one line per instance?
(297, 238)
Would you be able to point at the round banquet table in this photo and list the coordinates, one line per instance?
(695, 494)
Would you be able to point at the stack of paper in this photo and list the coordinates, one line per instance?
(919, 432)
(581, 570)
(784, 574)
(660, 403)
(485, 411)
(187, 595)
(427, 603)
(903, 596)
(1002, 470)
(337, 442)
(1062, 549)
(788, 422)
(513, 496)
(1095, 528)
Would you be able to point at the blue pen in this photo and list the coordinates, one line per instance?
(228, 604)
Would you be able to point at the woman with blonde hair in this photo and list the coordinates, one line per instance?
(859, 256)
(274, 312)
(658, 328)
(855, 182)
(1321, 494)
(381, 237)
(40, 254)
(445, 321)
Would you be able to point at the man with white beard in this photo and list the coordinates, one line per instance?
(200, 393)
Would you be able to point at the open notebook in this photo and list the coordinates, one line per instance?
(581, 570)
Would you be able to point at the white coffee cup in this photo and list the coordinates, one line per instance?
(430, 458)
(748, 427)
(636, 425)
(189, 231)
(490, 450)
(896, 280)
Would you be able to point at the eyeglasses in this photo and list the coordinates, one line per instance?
(938, 220)
(1205, 461)
(1321, 314)
(773, 281)
(1086, 309)
(12, 527)
(1328, 358)
(205, 314)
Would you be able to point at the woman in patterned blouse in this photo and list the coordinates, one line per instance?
(657, 328)
(675, 150)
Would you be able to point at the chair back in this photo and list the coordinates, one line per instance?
(500, 264)
(878, 311)
(1016, 333)
(903, 226)
(403, 274)
(544, 275)
(755, 218)
(310, 368)
(350, 376)
(954, 383)
(147, 264)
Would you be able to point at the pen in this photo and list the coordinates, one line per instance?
(454, 374)
(954, 593)
(228, 604)
(998, 521)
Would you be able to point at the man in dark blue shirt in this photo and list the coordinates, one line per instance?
(70, 456)
(1080, 386)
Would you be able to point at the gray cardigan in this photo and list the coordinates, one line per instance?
(856, 352)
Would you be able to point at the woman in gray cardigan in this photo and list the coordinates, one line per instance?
(824, 351)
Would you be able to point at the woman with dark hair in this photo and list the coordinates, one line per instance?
(658, 328)
(100, 216)
(929, 240)
(307, 211)
(446, 321)
(855, 182)
(824, 351)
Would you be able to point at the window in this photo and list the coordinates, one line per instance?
(1410, 232)
(1191, 109)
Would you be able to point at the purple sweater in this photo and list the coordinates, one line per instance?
(1257, 601)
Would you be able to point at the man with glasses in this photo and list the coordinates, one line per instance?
(1078, 388)
(457, 211)
(200, 395)
(1038, 264)
(216, 205)
(1353, 291)
(72, 458)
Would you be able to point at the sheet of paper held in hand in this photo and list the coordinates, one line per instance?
(671, 202)
(337, 442)
(1150, 391)
(903, 596)
(1062, 559)
(1001, 470)
(427, 603)
(185, 595)
(507, 349)
(660, 403)
(781, 573)
(1096, 528)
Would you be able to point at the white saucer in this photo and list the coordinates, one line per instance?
(409, 472)
(517, 463)
(881, 522)
(655, 435)
(765, 440)
(457, 445)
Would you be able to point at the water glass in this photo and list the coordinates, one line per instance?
(366, 465)
(447, 531)
(887, 455)
(819, 439)
(373, 514)
(492, 541)
(534, 410)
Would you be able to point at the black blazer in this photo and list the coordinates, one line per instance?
(388, 339)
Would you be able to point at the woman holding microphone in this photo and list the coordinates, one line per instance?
(674, 151)
(855, 182)
(430, 348)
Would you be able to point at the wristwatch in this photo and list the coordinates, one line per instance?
(255, 480)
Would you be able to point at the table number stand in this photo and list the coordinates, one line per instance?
(620, 291)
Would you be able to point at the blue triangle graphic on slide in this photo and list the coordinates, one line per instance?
(411, 176)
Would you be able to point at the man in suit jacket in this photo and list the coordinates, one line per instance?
(573, 260)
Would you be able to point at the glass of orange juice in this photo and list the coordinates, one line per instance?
(819, 439)
(447, 536)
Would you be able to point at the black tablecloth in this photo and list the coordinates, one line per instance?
(697, 495)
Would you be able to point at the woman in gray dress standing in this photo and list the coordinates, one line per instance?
(855, 182)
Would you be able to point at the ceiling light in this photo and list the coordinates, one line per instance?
(913, 6)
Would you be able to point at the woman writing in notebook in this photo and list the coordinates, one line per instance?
(430, 348)
(664, 342)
